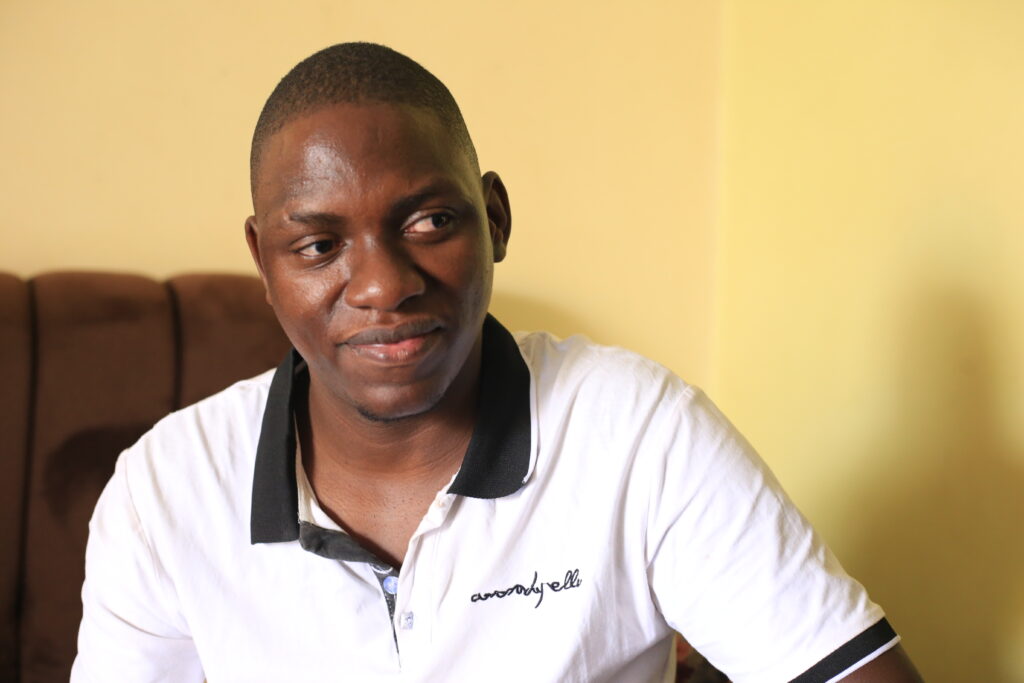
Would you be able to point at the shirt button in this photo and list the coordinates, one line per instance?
(405, 621)
(391, 585)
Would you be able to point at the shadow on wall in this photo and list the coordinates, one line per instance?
(942, 547)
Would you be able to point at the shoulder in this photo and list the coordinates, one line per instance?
(578, 365)
(618, 390)
(199, 458)
(219, 424)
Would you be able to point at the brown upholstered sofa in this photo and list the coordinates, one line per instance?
(88, 362)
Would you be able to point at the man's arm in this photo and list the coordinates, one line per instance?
(743, 576)
(127, 631)
(893, 666)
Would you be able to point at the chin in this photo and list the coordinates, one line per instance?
(393, 409)
(370, 416)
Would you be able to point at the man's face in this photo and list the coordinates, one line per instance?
(376, 238)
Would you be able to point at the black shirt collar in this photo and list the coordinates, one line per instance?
(496, 462)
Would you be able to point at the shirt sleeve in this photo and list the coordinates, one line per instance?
(736, 568)
(131, 628)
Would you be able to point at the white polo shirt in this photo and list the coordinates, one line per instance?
(602, 502)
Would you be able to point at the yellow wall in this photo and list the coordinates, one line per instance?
(844, 271)
(870, 335)
(125, 128)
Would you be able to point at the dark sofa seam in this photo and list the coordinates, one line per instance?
(30, 444)
(178, 351)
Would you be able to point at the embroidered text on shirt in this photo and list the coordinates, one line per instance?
(571, 580)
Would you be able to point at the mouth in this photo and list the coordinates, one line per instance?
(397, 343)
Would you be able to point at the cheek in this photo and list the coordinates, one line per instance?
(303, 303)
(481, 292)
(466, 274)
(466, 266)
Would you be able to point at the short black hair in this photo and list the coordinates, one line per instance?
(356, 73)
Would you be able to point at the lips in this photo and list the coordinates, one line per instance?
(397, 343)
(393, 335)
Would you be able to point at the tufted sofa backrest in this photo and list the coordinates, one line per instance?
(88, 362)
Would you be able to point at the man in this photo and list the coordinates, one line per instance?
(417, 494)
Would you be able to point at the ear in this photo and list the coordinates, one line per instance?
(253, 240)
(499, 213)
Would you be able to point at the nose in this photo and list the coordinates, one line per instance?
(381, 276)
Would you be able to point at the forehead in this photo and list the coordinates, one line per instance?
(359, 148)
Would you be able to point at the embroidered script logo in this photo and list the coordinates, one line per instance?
(571, 580)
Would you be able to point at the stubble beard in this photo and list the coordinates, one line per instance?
(371, 416)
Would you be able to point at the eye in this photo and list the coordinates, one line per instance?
(430, 223)
(317, 248)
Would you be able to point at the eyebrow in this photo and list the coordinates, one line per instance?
(316, 218)
(406, 205)
(398, 209)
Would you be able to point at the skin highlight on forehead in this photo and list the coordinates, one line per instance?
(321, 159)
(314, 151)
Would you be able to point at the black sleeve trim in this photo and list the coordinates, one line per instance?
(849, 654)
